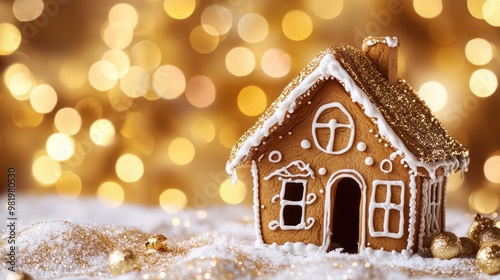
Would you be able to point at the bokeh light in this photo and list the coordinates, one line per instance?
(483, 83)
(146, 54)
(102, 132)
(216, 20)
(475, 8)
(73, 74)
(10, 39)
(46, 170)
(326, 9)
(428, 8)
(203, 41)
(479, 51)
(276, 63)
(484, 201)
(491, 12)
(123, 12)
(253, 28)
(454, 182)
(69, 185)
(19, 81)
(203, 129)
(240, 61)
(173, 200)
(118, 34)
(228, 135)
(233, 194)
(169, 82)
(434, 94)
(181, 151)
(252, 101)
(27, 10)
(43, 99)
(111, 194)
(179, 9)
(133, 125)
(129, 168)
(136, 82)
(103, 75)
(119, 59)
(60, 146)
(200, 91)
(297, 25)
(492, 169)
(23, 115)
(68, 121)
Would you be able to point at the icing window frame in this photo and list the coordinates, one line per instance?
(386, 206)
(434, 204)
(289, 204)
(332, 125)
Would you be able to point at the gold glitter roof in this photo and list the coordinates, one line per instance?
(407, 114)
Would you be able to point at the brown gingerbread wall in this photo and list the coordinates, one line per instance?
(287, 140)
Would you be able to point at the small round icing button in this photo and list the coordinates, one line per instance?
(369, 161)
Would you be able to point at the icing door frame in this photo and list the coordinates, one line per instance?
(337, 176)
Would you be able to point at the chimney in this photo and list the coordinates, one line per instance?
(383, 51)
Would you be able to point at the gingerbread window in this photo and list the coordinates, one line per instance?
(434, 198)
(385, 218)
(333, 129)
(293, 200)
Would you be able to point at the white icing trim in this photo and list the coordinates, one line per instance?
(356, 176)
(369, 161)
(275, 153)
(423, 211)
(310, 223)
(284, 173)
(260, 158)
(391, 42)
(297, 248)
(285, 202)
(273, 225)
(361, 146)
(256, 212)
(332, 125)
(330, 67)
(310, 198)
(305, 144)
(275, 197)
(382, 254)
(322, 171)
(413, 211)
(386, 161)
(387, 205)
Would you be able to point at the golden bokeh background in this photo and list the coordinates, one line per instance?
(141, 101)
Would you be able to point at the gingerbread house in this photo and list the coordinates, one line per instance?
(349, 157)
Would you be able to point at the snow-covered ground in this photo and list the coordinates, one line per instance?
(61, 239)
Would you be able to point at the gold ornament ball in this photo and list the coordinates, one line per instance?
(489, 236)
(445, 245)
(488, 259)
(478, 225)
(18, 276)
(123, 261)
(469, 247)
(157, 242)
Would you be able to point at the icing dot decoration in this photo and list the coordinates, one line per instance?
(322, 171)
(369, 161)
(386, 166)
(305, 144)
(275, 156)
(361, 146)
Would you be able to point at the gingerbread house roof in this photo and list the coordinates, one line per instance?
(403, 119)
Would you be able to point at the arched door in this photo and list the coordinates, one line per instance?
(346, 198)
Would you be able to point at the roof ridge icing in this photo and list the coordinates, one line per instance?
(403, 119)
